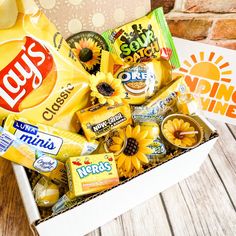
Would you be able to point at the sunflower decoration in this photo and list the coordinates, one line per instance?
(106, 89)
(88, 52)
(180, 133)
(134, 152)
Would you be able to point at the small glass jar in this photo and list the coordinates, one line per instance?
(187, 104)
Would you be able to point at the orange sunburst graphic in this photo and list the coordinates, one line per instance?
(207, 66)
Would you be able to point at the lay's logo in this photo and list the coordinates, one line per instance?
(25, 74)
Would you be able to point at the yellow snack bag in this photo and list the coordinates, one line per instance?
(14, 150)
(156, 108)
(140, 80)
(39, 75)
(91, 174)
(57, 143)
(146, 37)
(98, 120)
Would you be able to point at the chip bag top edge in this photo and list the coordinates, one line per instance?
(168, 37)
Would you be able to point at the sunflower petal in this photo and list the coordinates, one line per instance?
(122, 134)
(176, 124)
(117, 140)
(102, 100)
(128, 131)
(185, 126)
(145, 142)
(136, 162)
(142, 135)
(177, 142)
(136, 131)
(121, 160)
(146, 150)
(115, 147)
(142, 157)
(110, 101)
(116, 83)
(127, 164)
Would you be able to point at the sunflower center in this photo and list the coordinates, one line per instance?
(85, 54)
(178, 134)
(105, 89)
(131, 147)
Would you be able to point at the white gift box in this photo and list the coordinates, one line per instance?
(103, 207)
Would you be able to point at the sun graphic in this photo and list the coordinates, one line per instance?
(207, 66)
(75, 4)
(97, 20)
(49, 7)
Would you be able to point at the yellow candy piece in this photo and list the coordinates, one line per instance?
(152, 128)
(46, 193)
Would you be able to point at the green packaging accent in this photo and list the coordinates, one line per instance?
(146, 37)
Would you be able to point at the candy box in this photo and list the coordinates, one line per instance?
(105, 206)
(91, 174)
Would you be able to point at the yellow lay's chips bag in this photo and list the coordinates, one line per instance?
(146, 37)
(40, 78)
(140, 80)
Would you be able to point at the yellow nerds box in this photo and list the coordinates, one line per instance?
(91, 174)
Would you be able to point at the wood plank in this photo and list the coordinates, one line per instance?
(95, 233)
(13, 220)
(200, 205)
(232, 129)
(148, 218)
(223, 158)
(114, 227)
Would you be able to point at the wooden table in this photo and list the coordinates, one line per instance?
(203, 204)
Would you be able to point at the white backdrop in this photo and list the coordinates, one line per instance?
(210, 73)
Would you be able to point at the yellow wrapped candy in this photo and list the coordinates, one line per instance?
(152, 128)
(46, 193)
